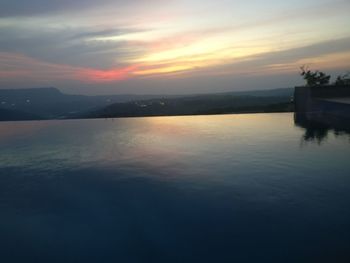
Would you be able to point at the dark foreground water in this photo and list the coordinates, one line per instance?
(233, 188)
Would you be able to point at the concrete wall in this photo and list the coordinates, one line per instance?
(307, 99)
(311, 105)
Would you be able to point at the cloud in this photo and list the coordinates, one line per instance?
(310, 51)
(328, 54)
(69, 45)
(106, 41)
(11, 8)
(17, 66)
(34, 7)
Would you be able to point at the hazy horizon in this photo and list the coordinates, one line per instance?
(169, 47)
(71, 91)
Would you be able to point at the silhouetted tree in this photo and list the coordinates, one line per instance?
(343, 80)
(314, 78)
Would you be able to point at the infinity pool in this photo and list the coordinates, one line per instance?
(225, 188)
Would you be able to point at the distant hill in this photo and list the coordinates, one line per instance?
(281, 92)
(199, 104)
(13, 115)
(51, 103)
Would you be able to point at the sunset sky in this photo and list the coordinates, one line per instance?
(169, 46)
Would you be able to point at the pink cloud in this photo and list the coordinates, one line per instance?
(16, 66)
(106, 75)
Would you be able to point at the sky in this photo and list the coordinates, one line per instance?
(170, 46)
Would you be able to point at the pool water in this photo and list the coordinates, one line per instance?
(221, 188)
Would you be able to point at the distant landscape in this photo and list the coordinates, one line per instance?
(51, 103)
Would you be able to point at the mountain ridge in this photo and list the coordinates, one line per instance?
(51, 103)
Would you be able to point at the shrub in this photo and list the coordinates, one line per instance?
(343, 80)
(314, 78)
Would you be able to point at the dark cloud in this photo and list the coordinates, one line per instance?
(37, 7)
(69, 46)
(33, 7)
(310, 51)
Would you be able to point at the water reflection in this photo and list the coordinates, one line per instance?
(317, 128)
(229, 188)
